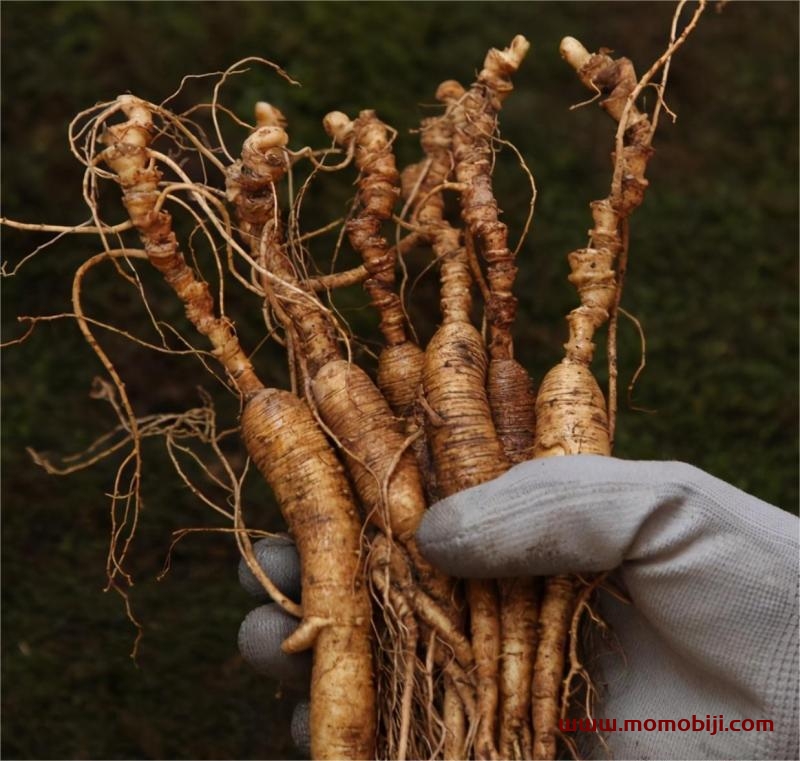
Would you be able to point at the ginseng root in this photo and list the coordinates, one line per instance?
(374, 447)
(472, 121)
(362, 421)
(294, 457)
(466, 452)
(296, 460)
(474, 116)
(400, 361)
(384, 472)
(572, 414)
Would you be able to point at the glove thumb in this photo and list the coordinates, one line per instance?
(572, 514)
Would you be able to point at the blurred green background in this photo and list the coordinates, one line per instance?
(712, 278)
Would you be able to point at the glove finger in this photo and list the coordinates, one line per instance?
(260, 638)
(301, 728)
(711, 571)
(277, 556)
(557, 515)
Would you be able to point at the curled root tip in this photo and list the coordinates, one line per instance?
(339, 126)
(519, 47)
(268, 115)
(573, 52)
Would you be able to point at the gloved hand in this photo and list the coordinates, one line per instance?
(265, 628)
(711, 571)
(712, 575)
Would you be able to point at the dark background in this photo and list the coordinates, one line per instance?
(712, 277)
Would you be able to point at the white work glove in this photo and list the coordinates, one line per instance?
(712, 575)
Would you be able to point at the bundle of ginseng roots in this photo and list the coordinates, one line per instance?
(407, 663)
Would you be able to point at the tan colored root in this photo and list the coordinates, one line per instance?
(484, 610)
(124, 410)
(378, 190)
(616, 80)
(250, 180)
(293, 455)
(304, 314)
(375, 448)
(466, 452)
(474, 118)
(398, 734)
(455, 744)
(354, 409)
(450, 650)
(400, 363)
(592, 272)
(383, 468)
(557, 607)
(434, 725)
(466, 449)
(437, 135)
(357, 416)
(611, 339)
(124, 522)
(415, 426)
(519, 617)
(385, 476)
(250, 186)
(513, 404)
(437, 617)
(422, 185)
(465, 445)
(571, 418)
(201, 425)
(129, 156)
(356, 275)
(399, 376)
(512, 401)
(408, 687)
(296, 460)
(338, 279)
(571, 413)
(459, 709)
(577, 670)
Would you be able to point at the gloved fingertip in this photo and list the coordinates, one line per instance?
(260, 637)
(570, 514)
(277, 556)
(433, 526)
(438, 539)
(301, 727)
